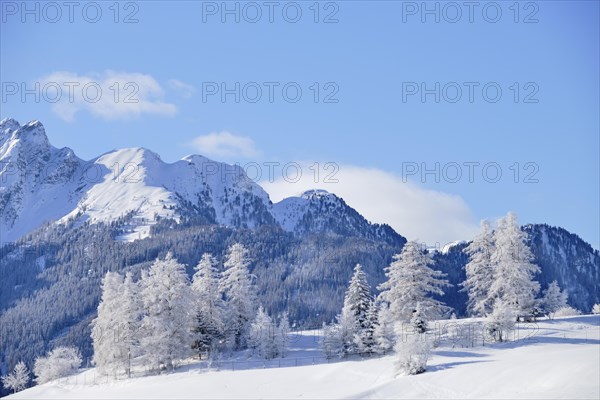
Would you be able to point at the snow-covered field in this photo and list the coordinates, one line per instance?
(554, 359)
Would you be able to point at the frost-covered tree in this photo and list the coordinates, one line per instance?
(109, 355)
(332, 342)
(131, 312)
(115, 329)
(553, 299)
(240, 296)
(208, 329)
(264, 335)
(168, 313)
(410, 282)
(412, 353)
(479, 271)
(58, 363)
(354, 319)
(596, 309)
(514, 271)
(18, 379)
(566, 311)
(501, 321)
(282, 339)
(417, 321)
(364, 340)
(384, 333)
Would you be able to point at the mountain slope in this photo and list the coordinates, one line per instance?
(38, 182)
(316, 211)
(41, 183)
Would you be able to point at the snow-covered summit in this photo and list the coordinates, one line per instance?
(318, 210)
(42, 183)
(317, 194)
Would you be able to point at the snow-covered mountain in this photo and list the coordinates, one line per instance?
(41, 183)
(566, 258)
(38, 182)
(319, 211)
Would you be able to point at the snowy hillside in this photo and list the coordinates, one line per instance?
(551, 359)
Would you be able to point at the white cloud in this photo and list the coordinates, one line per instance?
(185, 90)
(225, 145)
(108, 95)
(416, 213)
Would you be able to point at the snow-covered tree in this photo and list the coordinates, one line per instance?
(168, 313)
(364, 340)
(353, 319)
(114, 331)
(18, 379)
(417, 321)
(208, 329)
(410, 282)
(566, 311)
(514, 271)
(109, 355)
(596, 309)
(332, 342)
(554, 299)
(58, 363)
(501, 321)
(384, 333)
(263, 337)
(412, 353)
(479, 271)
(131, 312)
(240, 296)
(282, 339)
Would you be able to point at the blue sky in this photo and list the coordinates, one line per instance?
(374, 133)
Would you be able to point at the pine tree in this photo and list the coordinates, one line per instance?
(411, 281)
(513, 270)
(18, 379)
(167, 322)
(209, 305)
(554, 299)
(239, 292)
(479, 271)
(384, 334)
(353, 319)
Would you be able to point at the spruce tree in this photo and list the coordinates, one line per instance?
(240, 296)
(479, 272)
(514, 272)
(410, 282)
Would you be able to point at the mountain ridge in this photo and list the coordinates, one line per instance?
(136, 182)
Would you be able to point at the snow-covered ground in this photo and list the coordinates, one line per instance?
(552, 359)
